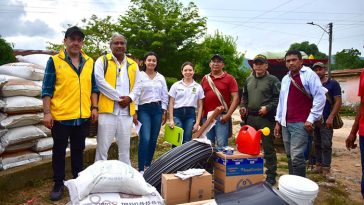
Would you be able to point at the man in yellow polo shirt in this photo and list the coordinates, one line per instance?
(116, 75)
(69, 95)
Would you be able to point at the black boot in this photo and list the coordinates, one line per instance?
(57, 192)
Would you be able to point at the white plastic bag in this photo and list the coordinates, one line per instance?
(22, 105)
(21, 120)
(20, 87)
(27, 71)
(107, 176)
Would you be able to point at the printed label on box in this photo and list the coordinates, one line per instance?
(244, 166)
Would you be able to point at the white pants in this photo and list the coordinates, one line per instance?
(110, 126)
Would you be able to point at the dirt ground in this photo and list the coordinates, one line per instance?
(346, 168)
(346, 164)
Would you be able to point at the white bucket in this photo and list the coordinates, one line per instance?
(301, 190)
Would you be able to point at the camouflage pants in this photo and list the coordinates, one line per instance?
(270, 157)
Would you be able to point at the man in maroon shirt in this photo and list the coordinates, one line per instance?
(228, 88)
(301, 102)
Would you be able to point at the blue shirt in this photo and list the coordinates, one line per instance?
(312, 84)
(49, 82)
(334, 90)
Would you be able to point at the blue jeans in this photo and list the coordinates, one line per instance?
(323, 145)
(185, 117)
(218, 133)
(361, 142)
(150, 115)
(295, 139)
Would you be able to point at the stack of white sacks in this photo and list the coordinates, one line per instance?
(111, 182)
(23, 138)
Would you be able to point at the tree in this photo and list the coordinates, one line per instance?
(308, 49)
(165, 27)
(225, 46)
(348, 59)
(6, 52)
(98, 32)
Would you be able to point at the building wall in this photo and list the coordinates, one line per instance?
(349, 89)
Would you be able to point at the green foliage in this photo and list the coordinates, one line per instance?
(308, 49)
(54, 46)
(6, 52)
(225, 46)
(165, 27)
(98, 32)
(170, 81)
(348, 59)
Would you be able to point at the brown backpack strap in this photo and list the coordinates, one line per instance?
(300, 88)
(216, 91)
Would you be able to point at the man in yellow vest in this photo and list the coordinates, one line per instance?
(116, 76)
(69, 95)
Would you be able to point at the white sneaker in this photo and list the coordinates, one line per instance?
(141, 172)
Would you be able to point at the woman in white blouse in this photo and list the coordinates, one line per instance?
(152, 105)
(185, 96)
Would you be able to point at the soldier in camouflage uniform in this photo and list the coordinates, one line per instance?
(258, 107)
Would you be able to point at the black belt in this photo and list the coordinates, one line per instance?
(158, 102)
(253, 113)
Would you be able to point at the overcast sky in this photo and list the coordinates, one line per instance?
(257, 25)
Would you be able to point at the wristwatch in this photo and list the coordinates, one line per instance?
(95, 107)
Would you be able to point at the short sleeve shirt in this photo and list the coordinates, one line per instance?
(186, 95)
(334, 90)
(226, 84)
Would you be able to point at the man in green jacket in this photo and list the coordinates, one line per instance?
(258, 107)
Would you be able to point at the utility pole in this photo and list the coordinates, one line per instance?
(330, 45)
(330, 48)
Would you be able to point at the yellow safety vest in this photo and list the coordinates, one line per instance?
(106, 105)
(72, 93)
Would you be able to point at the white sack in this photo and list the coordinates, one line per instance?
(107, 176)
(20, 87)
(39, 83)
(47, 131)
(19, 147)
(2, 132)
(3, 116)
(121, 199)
(45, 154)
(21, 134)
(22, 105)
(23, 70)
(2, 104)
(18, 159)
(39, 59)
(5, 78)
(43, 144)
(21, 120)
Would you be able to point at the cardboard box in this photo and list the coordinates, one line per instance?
(176, 190)
(237, 171)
